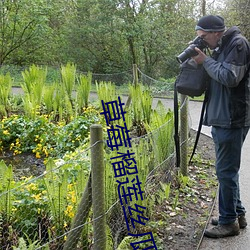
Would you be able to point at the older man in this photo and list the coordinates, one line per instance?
(228, 112)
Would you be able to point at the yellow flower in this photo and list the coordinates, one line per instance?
(14, 209)
(45, 151)
(73, 199)
(38, 155)
(69, 211)
(31, 187)
(37, 196)
(6, 132)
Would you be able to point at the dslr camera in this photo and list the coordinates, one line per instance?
(190, 51)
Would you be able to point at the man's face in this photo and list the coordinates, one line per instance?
(211, 38)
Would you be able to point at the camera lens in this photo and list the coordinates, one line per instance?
(187, 53)
(190, 51)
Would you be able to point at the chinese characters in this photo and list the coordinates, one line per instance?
(125, 165)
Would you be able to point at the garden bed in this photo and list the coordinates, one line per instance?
(182, 227)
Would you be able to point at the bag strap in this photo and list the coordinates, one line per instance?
(176, 126)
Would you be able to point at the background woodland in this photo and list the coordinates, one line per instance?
(107, 36)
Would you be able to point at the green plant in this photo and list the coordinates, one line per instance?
(166, 189)
(48, 98)
(83, 91)
(161, 128)
(68, 74)
(30, 207)
(6, 196)
(106, 92)
(34, 81)
(5, 90)
(184, 181)
(125, 244)
(141, 103)
(42, 136)
(28, 244)
(176, 199)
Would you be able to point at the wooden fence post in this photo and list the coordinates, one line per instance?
(98, 187)
(80, 218)
(184, 135)
(135, 82)
(135, 74)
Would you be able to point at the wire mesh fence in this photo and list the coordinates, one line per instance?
(56, 209)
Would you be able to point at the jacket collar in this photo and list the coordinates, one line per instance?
(231, 32)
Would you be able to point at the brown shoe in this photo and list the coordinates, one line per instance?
(241, 219)
(221, 231)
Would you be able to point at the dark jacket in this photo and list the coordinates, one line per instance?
(229, 90)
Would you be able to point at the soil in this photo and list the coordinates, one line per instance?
(185, 222)
(25, 164)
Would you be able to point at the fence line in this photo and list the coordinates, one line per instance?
(160, 172)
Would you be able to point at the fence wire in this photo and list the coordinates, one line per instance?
(45, 210)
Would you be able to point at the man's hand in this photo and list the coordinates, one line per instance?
(200, 58)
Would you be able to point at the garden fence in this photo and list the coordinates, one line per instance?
(95, 221)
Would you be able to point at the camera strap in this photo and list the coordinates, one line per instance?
(199, 127)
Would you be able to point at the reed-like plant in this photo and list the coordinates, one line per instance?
(5, 90)
(141, 103)
(48, 98)
(106, 92)
(56, 184)
(68, 74)
(161, 128)
(62, 106)
(33, 85)
(83, 91)
(6, 184)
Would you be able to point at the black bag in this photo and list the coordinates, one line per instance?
(192, 80)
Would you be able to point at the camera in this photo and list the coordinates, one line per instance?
(190, 51)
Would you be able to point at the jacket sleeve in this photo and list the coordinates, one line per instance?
(234, 66)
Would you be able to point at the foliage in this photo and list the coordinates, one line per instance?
(51, 200)
(43, 137)
(68, 74)
(6, 184)
(83, 90)
(22, 245)
(5, 90)
(106, 36)
(34, 81)
(141, 103)
(161, 128)
(22, 23)
(106, 92)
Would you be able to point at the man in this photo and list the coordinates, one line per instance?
(228, 112)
